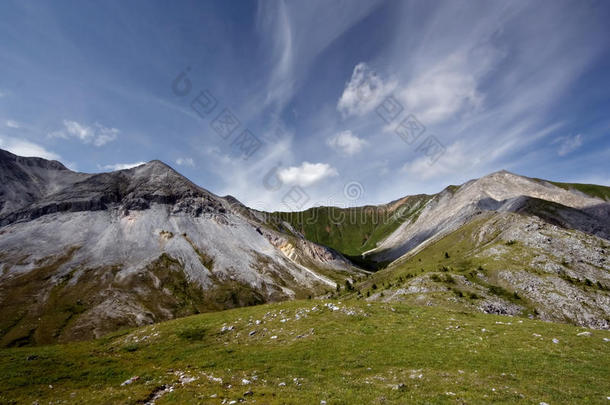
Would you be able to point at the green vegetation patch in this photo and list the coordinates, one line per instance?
(350, 231)
(311, 351)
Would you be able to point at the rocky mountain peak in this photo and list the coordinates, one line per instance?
(32, 187)
(8, 161)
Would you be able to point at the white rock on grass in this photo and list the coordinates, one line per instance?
(586, 333)
(129, 381)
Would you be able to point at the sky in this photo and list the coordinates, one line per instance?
(291, 104)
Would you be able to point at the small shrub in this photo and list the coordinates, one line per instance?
(499, 291)
(132, 347)
(449, 279)
(192, 333)
(374, 286)
(458, 293)
(446, 255)
(435, 278)
(511, 242)
(473, 296)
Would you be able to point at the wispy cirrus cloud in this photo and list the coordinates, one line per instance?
(12, 124)
(22, 147)
(494, 86)
(444, 90)
(96, 134)
(185, 161)
(457, 158)
(568, 144)
(285, 29)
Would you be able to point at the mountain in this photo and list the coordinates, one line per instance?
(85, 254)
(503, 244)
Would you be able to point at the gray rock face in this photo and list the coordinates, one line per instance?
(25, 180)
(498, 192)
(136, 246)
(132, 189)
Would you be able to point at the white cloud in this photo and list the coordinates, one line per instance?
(122, 166)
(104, 135)
(25, 148)
(185, 162)
(434, 95)
(442, 92)
(365, 91)
(568, 144)
(12, 124)
(97, 134)
(281, 81)
(450, 87)
(293, 47)
(346, 142)
(456, 158)
(306, 174)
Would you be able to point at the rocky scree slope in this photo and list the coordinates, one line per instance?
(85, 254)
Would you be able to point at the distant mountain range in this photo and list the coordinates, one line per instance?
(85, 254)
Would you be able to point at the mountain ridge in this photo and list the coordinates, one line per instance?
(84, 254)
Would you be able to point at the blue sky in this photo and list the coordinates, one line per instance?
(344, 102)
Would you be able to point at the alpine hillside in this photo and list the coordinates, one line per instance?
(85, 254)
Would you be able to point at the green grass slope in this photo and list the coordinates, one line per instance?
(593, 190)
(450, 254)
(467, 268)
(311, 351)
(351, 231)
